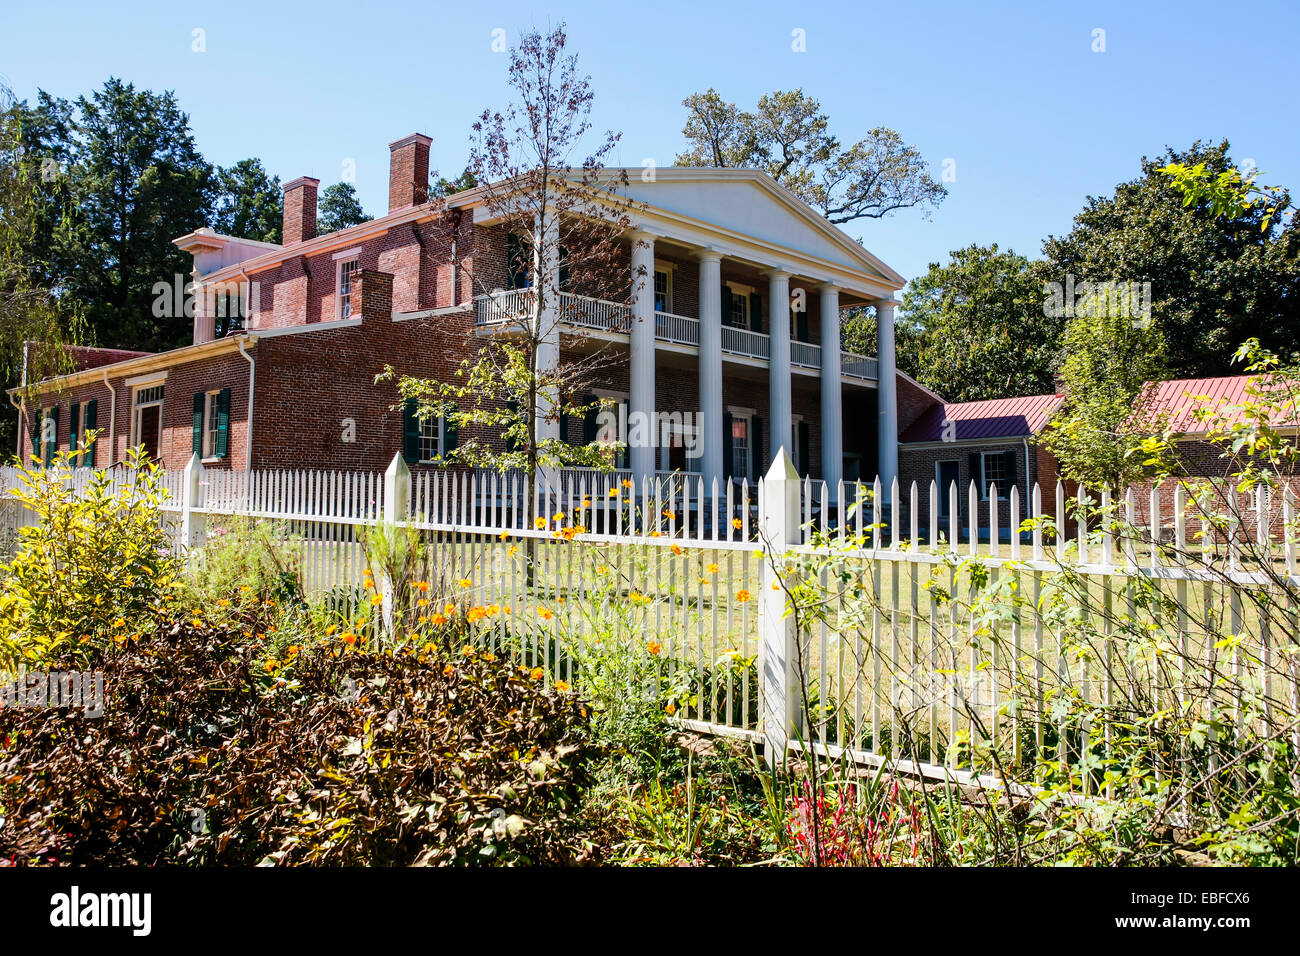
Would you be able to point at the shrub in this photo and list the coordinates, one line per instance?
(97, 563)
(207, 753)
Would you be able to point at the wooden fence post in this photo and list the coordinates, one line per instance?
(779, 531)
(397, 508)
(192, 524)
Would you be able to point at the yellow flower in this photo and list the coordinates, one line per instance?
(120, 622)
(439, 620)
(670, 515)
(562, 686)
(512, 552)
(655, 534)
(489, 656)
(613, 492)
(376, 599)
(223, 603)
(737, 523)
(465, 582)
(743, 596)
(677, 549)
(448, 671)
(539, 523)
(423, 602)
(449, 609)
(559, 516)
(467, 651)
(331, 629)
(627, 483)
(544, 614)
(711, 568)
(503, 535)
(537, 673)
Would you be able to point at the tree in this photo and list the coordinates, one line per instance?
(980, 326)
(788, 137)
(1216, 279)
(1108, 360)
(134, 182)
(34, 324)
(339, 208)
(443, 187)
(560, 207)
(248, 202)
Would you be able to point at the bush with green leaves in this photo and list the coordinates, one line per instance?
(97, 563)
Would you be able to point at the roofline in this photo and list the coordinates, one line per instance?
(141, 363)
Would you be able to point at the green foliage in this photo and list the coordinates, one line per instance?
(978, 326)
(248, 202)
(338, 209)
(788, 136)
(247, 561)
(1217, 275)
(94, 568)
(1108, 359)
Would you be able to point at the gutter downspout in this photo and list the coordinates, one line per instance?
(112, 421)
(252, 380)
(22, 423)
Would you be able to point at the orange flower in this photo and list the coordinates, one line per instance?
(670, 515)
(422, 586)
(562, 686)
(537, 673)
(654, 648)
(743, 596)
(349, 638)
(544, 614)
(422, 602)
(539, 523)
(439, 620)
(677, 550)
(737, 523)
(331, 629)
(449, 609)
(670, 709)
(465, 582)
(448, 671)
(376, 599)
(627, 483)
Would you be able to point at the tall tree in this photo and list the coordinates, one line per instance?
(1217, 276)
(33, 323)
(248, 202)
(135, 182)
(339, 208)
(980, 326)
(443, 187)
(549, 191)
(789, 137)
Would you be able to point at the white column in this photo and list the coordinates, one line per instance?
(546, 284)
(832, 436)
(641, 397)
(886, 398)
(780, 408)
(711, 464)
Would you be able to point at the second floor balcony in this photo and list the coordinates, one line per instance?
(501, 311)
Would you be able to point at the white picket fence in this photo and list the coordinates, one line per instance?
(887, 670)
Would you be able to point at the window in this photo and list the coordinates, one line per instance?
(346, 268)
(430, 439)
(146, 419)
(663, 290)
(210, 401)
(740, 311)
(994, 469)
(740, 446)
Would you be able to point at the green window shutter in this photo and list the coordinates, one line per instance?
(564, 268)
(726, 304)
(223, 424)
(37, 423)
(805, 448)
(450, 435)
(197, 429)
(89, 422)
(758, 462)
(74, 425)
(513, 408)
(53, 446)
(1009, 464)
(756, 312)
(410, 431)
(976, 472)
(728, 466)
(801, 326)
(590, 420)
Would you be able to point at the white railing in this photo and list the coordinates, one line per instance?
(744, 342)
(499, 308)
(678, 329)
(805, 354)
(600, 315)
(859, 366)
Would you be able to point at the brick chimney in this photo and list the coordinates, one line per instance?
(408, 171)
(299, 210)
(372, 295)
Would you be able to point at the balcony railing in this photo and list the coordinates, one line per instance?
(600, 315)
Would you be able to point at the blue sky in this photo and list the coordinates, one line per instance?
(1032, 118)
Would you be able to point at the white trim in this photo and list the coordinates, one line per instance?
(149, 378)
(340, 261)
(432, 313)
(347, 253)
(313, 327)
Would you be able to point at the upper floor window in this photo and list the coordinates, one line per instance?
(343, 284)
(740, 311)
(663, 290)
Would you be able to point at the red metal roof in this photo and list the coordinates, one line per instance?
(1179, 399)
(996, 418)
